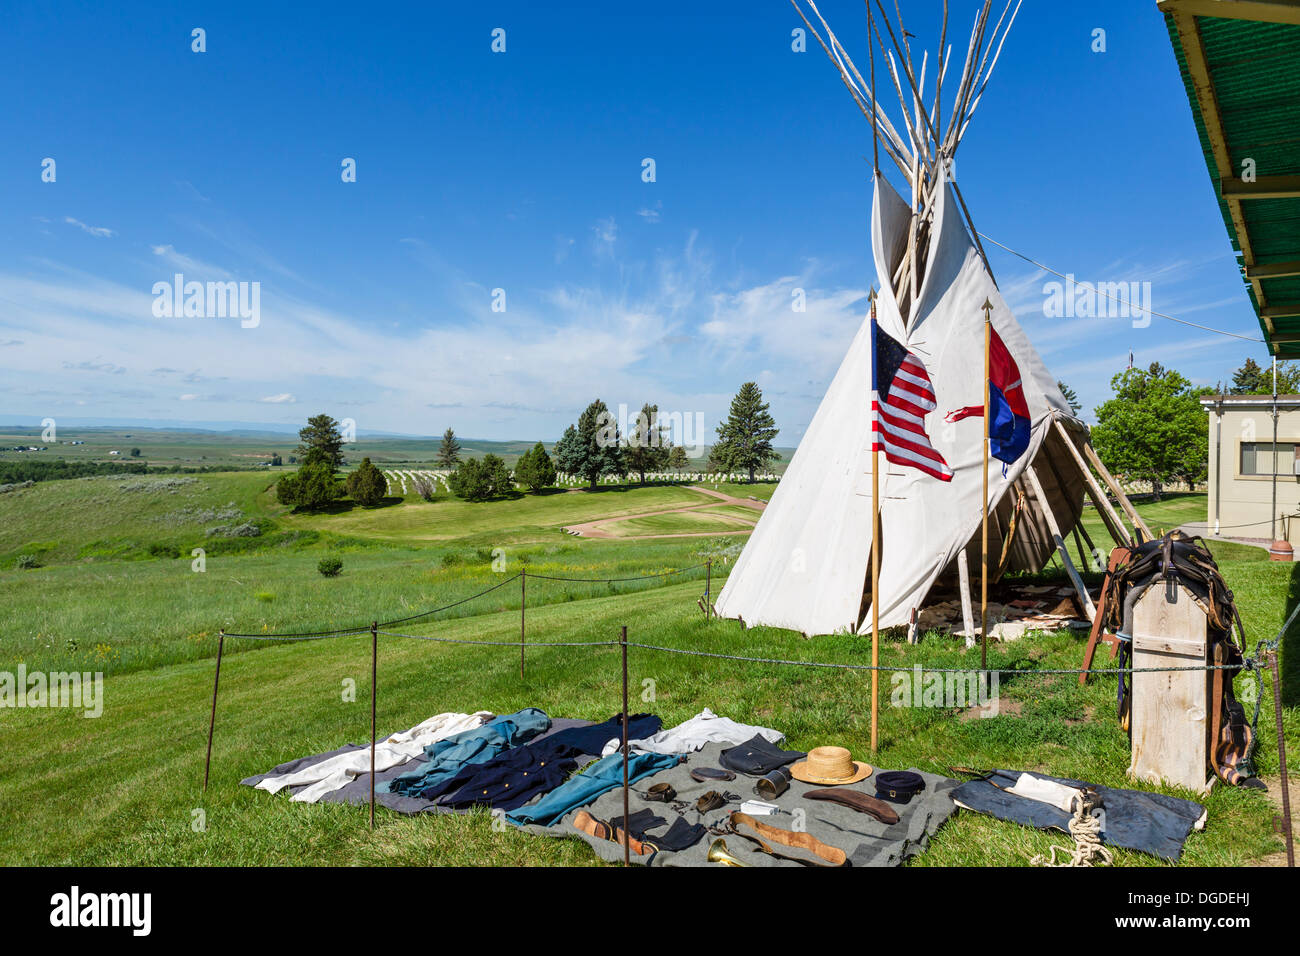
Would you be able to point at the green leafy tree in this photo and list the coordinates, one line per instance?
(276, 461)
(366, 485)
(593, 449)
(535, 468)
(1153, 429)
(135, 452)
(1070, 396)
(745, 438)
(480, 480)
(320, 442)
(310, 487)
(449, 450)
(647, 445)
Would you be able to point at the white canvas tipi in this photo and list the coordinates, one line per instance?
(805, 567)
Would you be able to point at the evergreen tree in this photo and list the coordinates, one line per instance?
(592, 450)
(677, 459)
(535, 469)
(647, 446)
(321, 443)
(1070, 396)
(1251, 379)
(1154, 428)
(745, 438)
(449, 450)
(568, 457)
(366, 485)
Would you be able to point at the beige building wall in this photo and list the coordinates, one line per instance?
(1239, 501)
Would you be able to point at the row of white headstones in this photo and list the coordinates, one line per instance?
(398, 477)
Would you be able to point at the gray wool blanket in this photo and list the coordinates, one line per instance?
(866, 841)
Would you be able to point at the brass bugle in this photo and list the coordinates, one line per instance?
(718, 854)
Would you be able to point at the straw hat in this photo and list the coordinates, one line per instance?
(830, 766)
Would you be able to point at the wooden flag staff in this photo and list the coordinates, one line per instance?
(984, 506)
(875, 538)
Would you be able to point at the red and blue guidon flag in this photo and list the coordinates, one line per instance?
(901, 397)
(1009, 419)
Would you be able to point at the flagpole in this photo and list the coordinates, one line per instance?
(984, 505)
(875, 537)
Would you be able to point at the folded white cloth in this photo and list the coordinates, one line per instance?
(706, 727)
(1045, 791)
(338, 771)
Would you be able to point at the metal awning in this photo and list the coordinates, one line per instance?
(1240, 62)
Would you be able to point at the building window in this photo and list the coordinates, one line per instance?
(1258, 456)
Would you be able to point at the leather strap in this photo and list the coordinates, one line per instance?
(761, 832)
(856, 800)
(1216, 703)
(1104, 602)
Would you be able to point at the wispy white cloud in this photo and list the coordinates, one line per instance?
(99, 232)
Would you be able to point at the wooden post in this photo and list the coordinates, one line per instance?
(627, 835)
(374, 686)
(984, 502)
(523, 601)
(963, 576)
(212, 721)
(1055, 529)
(1170, 710)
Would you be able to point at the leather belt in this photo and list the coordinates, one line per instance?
(825, 854)
(858, 801)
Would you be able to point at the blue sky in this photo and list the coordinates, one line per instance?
(522, 171)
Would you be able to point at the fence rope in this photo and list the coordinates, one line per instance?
(639, 577)
(452, 640)
(365, 629)
(933, 670)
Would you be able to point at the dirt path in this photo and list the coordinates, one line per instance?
(599, 527)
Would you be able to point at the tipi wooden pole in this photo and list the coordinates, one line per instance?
(1118, 492)
(984, 502)
(967, 618)
(1109, 516)
(1057, 537)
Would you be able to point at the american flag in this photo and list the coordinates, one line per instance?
(901, 397)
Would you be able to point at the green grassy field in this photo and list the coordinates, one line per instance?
(124, 788)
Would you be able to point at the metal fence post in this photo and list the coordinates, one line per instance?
(523, 600)
(212, 721)
(1281, 759)
(627, 836)
(374, 686)
(708, 588)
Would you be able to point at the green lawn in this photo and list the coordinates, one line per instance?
(123, 788)
(703, 521)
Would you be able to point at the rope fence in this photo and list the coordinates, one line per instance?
(1265, 653)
